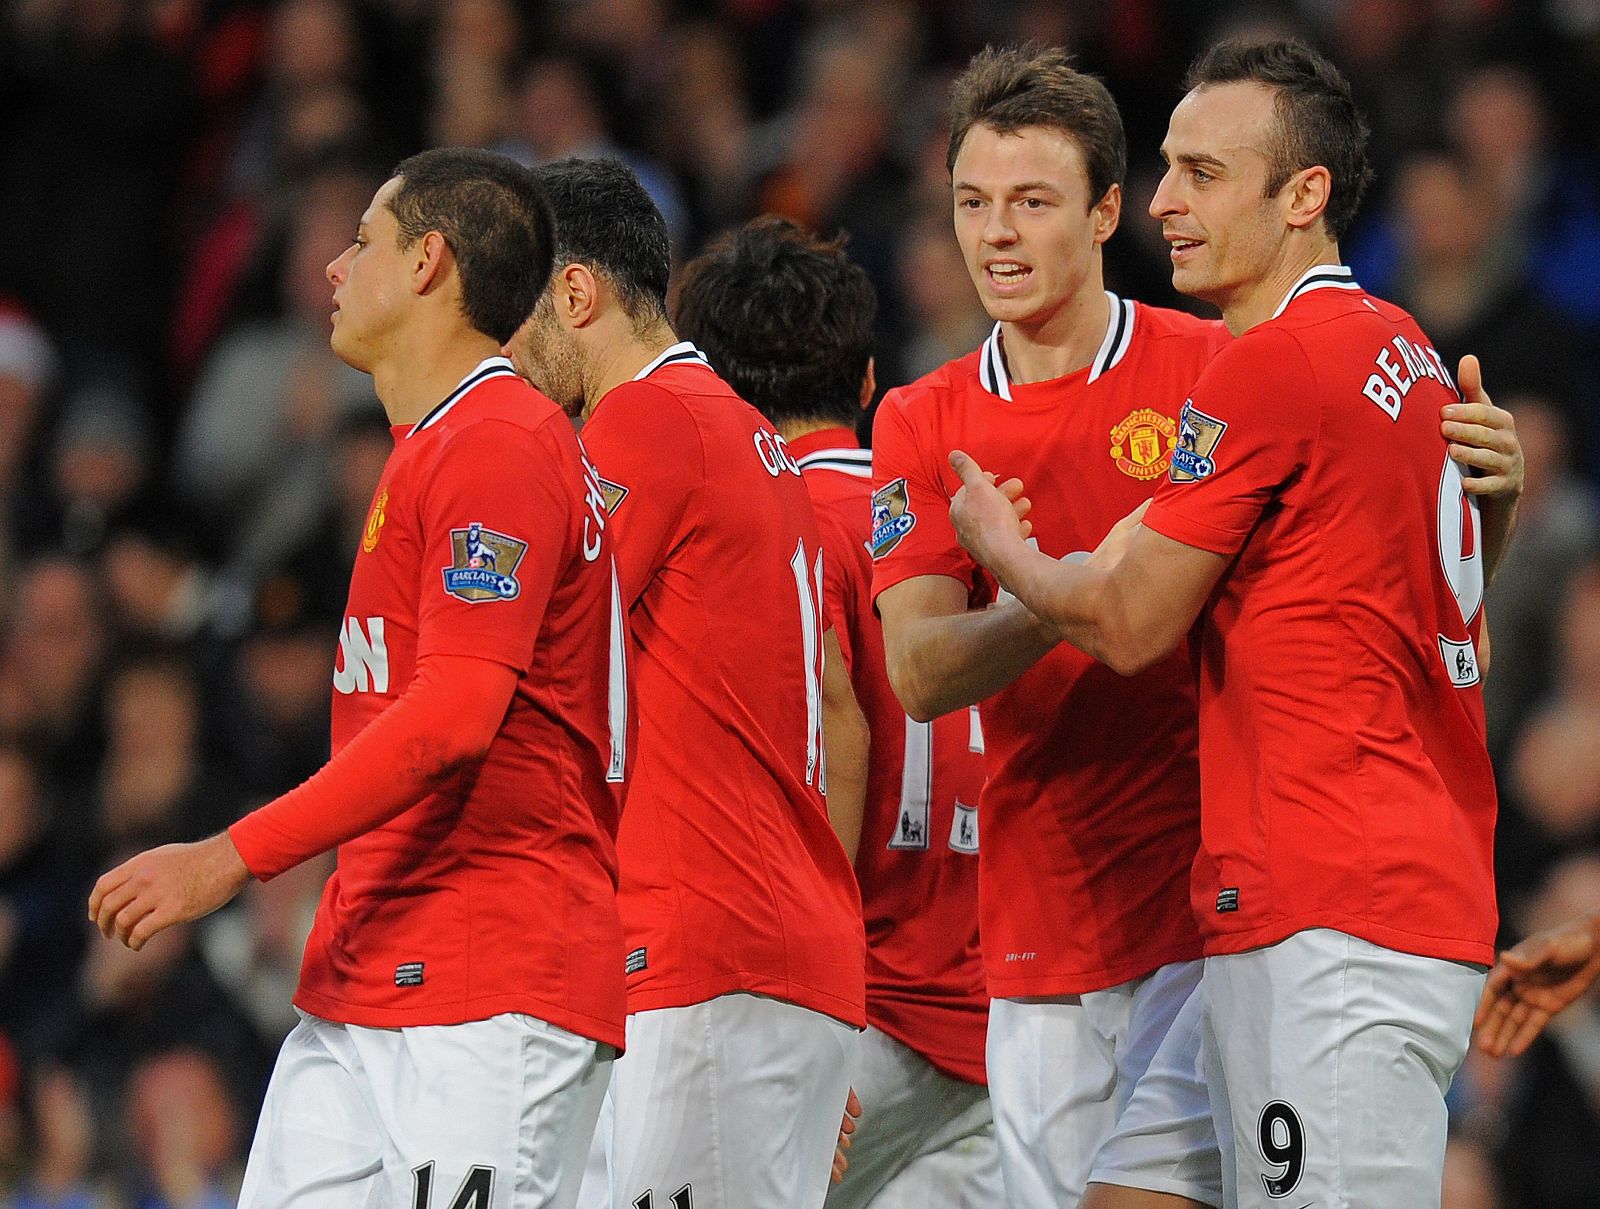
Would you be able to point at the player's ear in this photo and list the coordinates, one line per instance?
(576, 290)
(1107, 214)
(431, 261)
(869, 383)
(1305, 196)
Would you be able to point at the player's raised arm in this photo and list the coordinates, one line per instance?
(1128, 607)
(1483, 442)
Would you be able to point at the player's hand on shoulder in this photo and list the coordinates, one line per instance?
(986, 512)
(169, 885)
(1533, 981)
(1483, 438)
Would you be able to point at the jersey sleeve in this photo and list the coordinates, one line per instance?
(496, 516)
(650, 457)
(1245, 436)
(911, 530)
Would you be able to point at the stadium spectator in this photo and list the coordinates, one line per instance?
(182, 1132)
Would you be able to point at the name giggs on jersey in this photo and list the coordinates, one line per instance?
(1391, 380)
(774, 453)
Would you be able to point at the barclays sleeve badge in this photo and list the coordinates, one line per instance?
(483, 565)
(1198, 435)
(892, 517)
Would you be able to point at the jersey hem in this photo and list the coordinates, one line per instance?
(964, 1070)
(1441, 947)
(847, 1011)
(1083, 983)
(460, 1012)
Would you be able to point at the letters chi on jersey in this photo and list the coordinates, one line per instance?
(1342, 751)
(731, 876)
(494, 894)
(917, 863)
(1090, 814)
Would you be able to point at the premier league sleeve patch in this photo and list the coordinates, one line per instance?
(483, 564)
(1198, 435)
(892, 517)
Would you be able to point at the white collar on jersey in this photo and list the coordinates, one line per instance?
(1319, 277)
(681, 351)
(996, 378)
(847, 461)
(489, 367)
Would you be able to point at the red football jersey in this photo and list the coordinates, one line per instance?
(1346, 783)
(918, 860)
(731, 876)
(1091, 809)
(495, 894)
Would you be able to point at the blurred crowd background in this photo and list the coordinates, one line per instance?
(184, 467)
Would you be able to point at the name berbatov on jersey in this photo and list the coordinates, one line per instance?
(1398, 367)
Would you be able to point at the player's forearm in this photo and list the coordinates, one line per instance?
(445, 720)
(1499, 515)
(946, 663)
(845, 738)
(1081, 605)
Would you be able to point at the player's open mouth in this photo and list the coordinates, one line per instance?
(1006, 272)
(1180, 246)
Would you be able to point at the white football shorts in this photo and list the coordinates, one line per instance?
(734, 1103)
(1329, 1058)
(492, 1114)
(1061, 1073)
(924, 1138)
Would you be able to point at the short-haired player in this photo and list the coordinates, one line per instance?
(461, 997)
(1325, 538)
(743, 923)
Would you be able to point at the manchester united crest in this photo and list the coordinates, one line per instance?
(1142, 444)
(375, 519)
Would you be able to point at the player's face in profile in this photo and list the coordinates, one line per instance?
(547, 355)
(369, 282)
(1221, 227)
(1024, 220)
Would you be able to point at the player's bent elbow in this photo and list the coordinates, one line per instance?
(1129, 653)
(1128, 663)
(917, 703)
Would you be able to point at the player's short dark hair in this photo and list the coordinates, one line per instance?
(785, 318)
(1318, 122)
(1013, 88)
(496, 222)
(606, 220)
